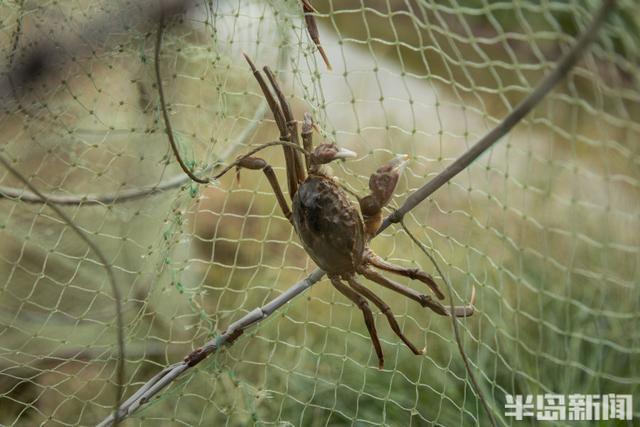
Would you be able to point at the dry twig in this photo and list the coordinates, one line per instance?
(165, 112)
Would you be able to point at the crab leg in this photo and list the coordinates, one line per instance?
(256, 163)
(273, 105)
(412, 273)
(386, 310)
(307, 137)
(292, 127)
(374, 276)
(423, 300)
(359, 300)
(278, 115)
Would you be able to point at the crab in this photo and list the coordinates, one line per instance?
(334, 231)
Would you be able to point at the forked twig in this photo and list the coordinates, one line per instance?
(120, 368)
(168, 375)
(163, 107)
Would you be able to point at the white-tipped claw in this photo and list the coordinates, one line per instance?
(344, 153)
(400, 162)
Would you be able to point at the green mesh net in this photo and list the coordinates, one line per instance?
(544, 226)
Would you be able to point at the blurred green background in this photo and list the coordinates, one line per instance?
(545, 226)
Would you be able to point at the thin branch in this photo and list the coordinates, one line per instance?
(93, 199)
(163, 106)
(133, 193)
(456, 331)
(120, 368)
(169, 374)
(562, 68)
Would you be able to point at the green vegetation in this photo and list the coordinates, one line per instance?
(543, 227)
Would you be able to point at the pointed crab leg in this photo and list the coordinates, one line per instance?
(362, 304)
(256, 163)
(374, 276)
(276, 109)
(386, 310)
(273, 105)
(412, 273)
(307, 137)
(292, 127)
(423, 300)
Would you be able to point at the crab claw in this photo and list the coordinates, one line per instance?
(383, 182)
(344, 153)
(325, 153)
(398, 163)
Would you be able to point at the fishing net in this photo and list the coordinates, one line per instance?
(544, 226)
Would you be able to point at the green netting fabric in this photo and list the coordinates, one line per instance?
(544, 226)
